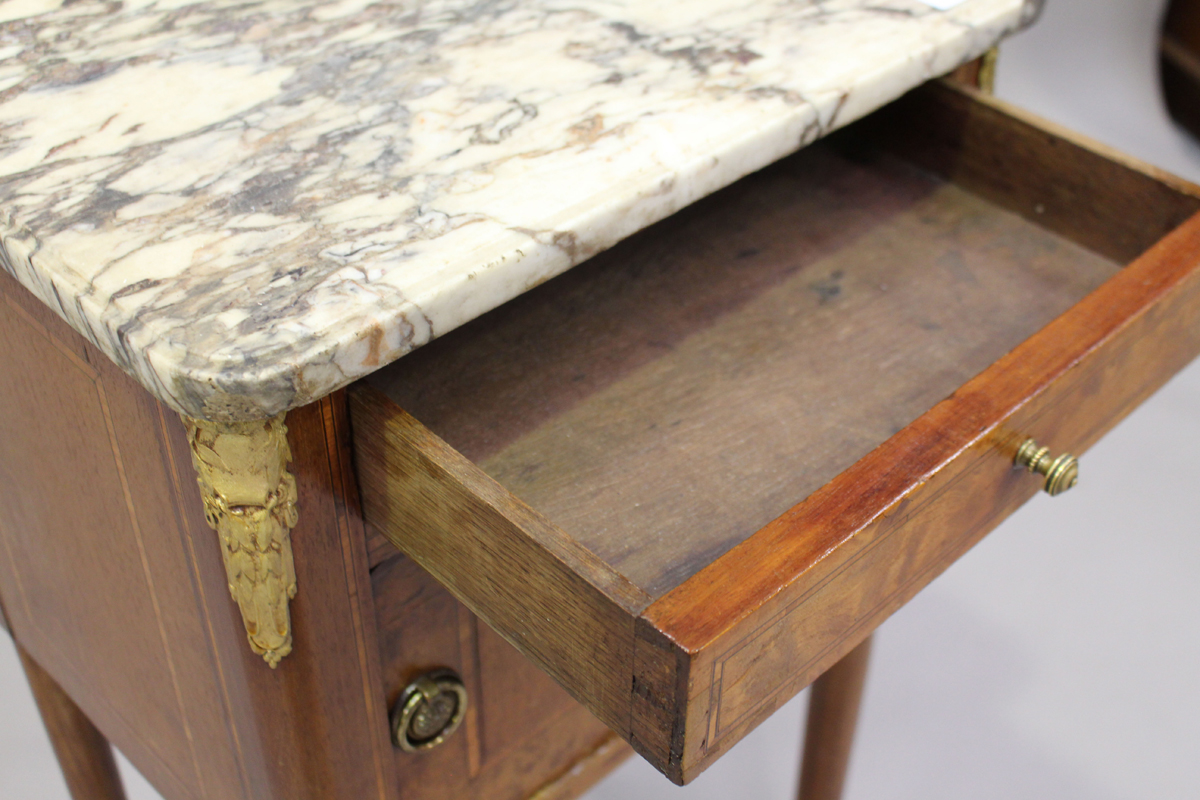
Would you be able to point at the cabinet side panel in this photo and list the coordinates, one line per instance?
(114, 582)
(93, 570)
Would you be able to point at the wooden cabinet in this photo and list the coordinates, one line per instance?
(646, 502)
(689, 476)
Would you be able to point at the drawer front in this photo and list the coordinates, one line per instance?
(685, 672)
(522, 735)
(953, 474)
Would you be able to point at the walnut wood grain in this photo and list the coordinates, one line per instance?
(833, 703)
(777, 449)
(85, 756)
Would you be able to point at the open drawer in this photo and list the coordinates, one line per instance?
(690, 474)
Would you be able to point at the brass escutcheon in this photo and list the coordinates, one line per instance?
(1061, 473)
(428, 711)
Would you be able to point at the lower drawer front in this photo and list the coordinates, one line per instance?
(688, 476)
(522, 735)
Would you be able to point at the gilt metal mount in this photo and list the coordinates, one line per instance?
(250, 501)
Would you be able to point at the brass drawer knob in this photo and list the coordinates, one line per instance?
(428, 711)
(1061, 473)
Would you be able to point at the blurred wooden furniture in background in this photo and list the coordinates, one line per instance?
(1179, 63)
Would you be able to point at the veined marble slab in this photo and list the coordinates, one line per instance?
(249, 204)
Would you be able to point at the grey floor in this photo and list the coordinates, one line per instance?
(1059, 658)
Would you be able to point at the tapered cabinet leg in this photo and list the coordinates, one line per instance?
(84, 754)
(832, 716)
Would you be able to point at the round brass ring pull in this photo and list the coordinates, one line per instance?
(1061, 473)
(428, 711)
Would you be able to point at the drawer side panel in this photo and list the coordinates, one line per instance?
(545, 594)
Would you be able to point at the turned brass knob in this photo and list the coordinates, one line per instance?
(1061, 473)
(428, 711)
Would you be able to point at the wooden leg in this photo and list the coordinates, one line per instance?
(83, 753)
(832, 715)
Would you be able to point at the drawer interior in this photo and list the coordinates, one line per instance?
(630, 471)
(665, 400)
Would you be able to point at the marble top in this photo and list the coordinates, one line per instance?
(247, 205)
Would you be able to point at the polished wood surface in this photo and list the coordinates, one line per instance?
(979, 73)
(833, 703)
(751, 620)
(586, 772)
(85, 756)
